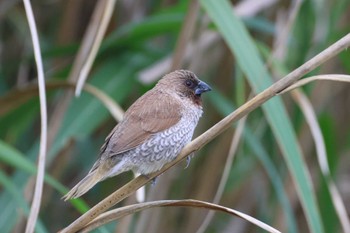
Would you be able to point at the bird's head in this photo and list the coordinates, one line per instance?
(184, 83)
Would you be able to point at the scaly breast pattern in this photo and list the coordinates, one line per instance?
(164, 146)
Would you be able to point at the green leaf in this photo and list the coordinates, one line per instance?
(83, 116)
(242, 46)
(225, 107)
(136, 32)
(17, 160)
(5, 181)
(86, 112)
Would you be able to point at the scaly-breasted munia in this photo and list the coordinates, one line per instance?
(153, 131)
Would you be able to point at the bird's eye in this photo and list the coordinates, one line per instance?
(189, 83)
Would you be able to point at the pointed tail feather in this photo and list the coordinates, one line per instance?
(83, 186)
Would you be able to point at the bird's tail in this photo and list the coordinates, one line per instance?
(84, 185)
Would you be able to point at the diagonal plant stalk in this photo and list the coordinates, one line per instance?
(104, 11)
(316, 133)
(213, 132)
(310, 115)
(305, 105)
(186, 33)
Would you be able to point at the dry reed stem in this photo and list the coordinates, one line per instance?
(316, 133)
(310, 116)
(102, 16)
(78, 63)
(16, 97)
(323, 77)
(185, 35)
(131, 209)
(210, 134)
(34, 210)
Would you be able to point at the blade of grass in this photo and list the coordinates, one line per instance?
(96, 30)
(242, 46)
(17, 160)
(315, 129)
(225, 107)
(311, 119)
(115, 81)
(213, 132)
(20, 201)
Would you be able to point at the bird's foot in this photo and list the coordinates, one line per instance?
(188, 160)
(153, 181)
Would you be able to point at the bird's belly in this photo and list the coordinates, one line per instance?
(161, 148)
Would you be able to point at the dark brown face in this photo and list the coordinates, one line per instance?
(195, 86)
(192, 87)
(185, 84)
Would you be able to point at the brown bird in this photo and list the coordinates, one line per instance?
(153, 131)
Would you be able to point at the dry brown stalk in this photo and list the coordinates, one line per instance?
(211, 133)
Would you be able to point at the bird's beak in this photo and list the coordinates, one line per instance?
(202, 87)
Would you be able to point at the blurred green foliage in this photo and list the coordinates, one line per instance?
(276, 151)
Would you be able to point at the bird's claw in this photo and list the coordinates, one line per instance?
(153, 181)
(188, 160)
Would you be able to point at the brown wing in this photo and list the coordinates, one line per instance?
(153, 112)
